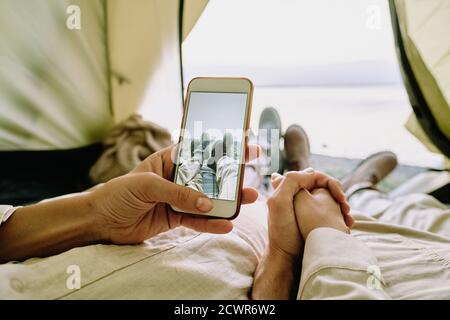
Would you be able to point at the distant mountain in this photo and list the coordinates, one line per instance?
(355, 73)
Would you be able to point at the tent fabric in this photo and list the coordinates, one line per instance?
(413, 126)
(192, 10)
(144, 46)
(424, 28)
(53, 84)
(62, 88)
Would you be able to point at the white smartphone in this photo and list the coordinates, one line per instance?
(213, 141)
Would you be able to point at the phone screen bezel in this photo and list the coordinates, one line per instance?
(225, 209)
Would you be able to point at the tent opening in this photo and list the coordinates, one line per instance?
(328, 66)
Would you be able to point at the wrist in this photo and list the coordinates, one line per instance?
(281, 258)
(276, 275)
(49, 227)
(95, 226)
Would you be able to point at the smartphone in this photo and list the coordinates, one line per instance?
(213, 141)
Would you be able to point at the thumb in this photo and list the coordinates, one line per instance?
(153, 188)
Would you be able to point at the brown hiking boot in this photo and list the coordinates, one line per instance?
(296, 148)
(371, 170)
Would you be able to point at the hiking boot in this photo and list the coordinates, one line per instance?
(296, 149)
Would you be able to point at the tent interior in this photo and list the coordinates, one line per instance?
(83, 103)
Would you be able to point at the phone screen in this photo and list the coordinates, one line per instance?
(212, 150)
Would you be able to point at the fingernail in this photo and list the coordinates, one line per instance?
(275, 175)
(204, 204)
(308, 170)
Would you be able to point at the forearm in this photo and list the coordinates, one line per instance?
(338, 266)
(48, 228)
(276, 277)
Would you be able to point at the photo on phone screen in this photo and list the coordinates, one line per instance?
(212, 144)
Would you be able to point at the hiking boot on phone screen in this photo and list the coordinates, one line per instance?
(269, 135)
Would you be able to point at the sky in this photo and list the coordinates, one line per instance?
(347, 38)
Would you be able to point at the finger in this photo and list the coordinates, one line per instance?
(335, 188)
(167, 159)
(345, 207)
(349, 220)
(276, 179)
(149, 163)
(332, 184)
(150, 187)
(303, 195)
(249, 195)
(344, 211)
(161, 161)
(338, 194)
(324, 193)
(318, 180)
(319, 191)
(200, 224)
(252, 152)
(289, 185)
(285, 190)
(294, 181)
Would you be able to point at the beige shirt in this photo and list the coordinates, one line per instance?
(397, 250)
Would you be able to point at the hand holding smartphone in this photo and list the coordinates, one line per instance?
(213, 141)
